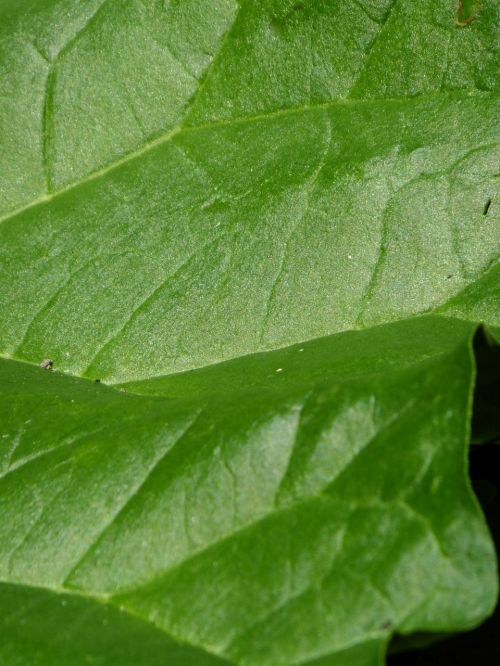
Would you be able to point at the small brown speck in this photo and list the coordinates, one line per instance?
(466, 15)
(386, 625)
(47, 364)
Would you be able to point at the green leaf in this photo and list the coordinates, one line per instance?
(40, 627)
(252, 203)
(199, 202)
(309, 510)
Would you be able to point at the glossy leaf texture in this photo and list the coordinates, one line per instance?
(270, 230)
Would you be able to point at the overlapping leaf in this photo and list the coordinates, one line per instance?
(184, 183)
(270, 510)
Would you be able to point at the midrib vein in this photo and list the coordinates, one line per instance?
(105, 601)
(183, 129)
(108, 601)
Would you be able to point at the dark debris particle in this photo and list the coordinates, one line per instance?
(47, 364)
(486, 207)
(448, 277)
(97, 381)
(386, 625)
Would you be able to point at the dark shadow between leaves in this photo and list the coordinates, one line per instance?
(486, 414)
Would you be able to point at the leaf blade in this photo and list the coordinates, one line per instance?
(300, 482)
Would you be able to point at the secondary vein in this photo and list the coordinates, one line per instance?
(188, 129)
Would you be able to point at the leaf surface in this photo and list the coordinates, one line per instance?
(310, 510)
(316, 175)
(235, 216)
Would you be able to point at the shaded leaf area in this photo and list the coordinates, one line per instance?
(479, 302)
(293, 507)
(41, 627)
